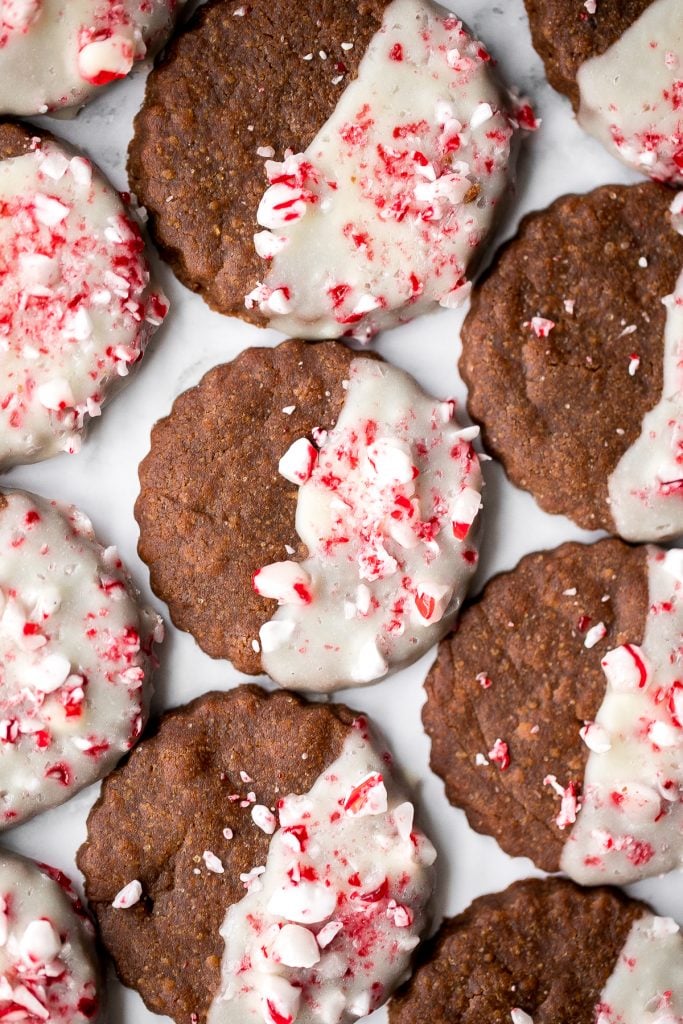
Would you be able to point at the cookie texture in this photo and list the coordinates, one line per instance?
(213, 508)
(15, 139)
(565, 35)
(546, 948)
(549, 341)
(193, 160)
(168, 804)
(518, 671)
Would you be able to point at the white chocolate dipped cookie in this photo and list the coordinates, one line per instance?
(59, 53)
(76, 649)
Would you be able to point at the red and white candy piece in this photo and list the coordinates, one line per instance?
(284, 582)
(298, 462)
(626, 668)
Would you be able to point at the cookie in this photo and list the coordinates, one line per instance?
(555, 711)
(57, 54)
(312, 514)
(619, 61)
(571, 349)
(76, 650)
(256, 860)
(366, 153)
(547, 952)
(77, 306)
(48, 967)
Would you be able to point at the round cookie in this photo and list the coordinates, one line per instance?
(48, 966)
(77, 306)
(547, 952)
(197, 853)
(59, 53)
(555, 711)
(311, 514)
(365, 159)
(619, 62)
(571, 348)
(76, 650)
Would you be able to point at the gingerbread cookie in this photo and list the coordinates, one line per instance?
(77, 655)
(555, 711)
(288, 883)
(77, 306)
(547, 952)
(312, 514)
(367, 152)
(48, 967)
(621, 64)
(59, 53)
(572, 349)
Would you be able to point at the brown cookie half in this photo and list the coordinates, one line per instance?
(193, 161)
(15, 139)
(545, 948)
(168, 804)
(566, 35)
(559, 409)
(517, 671)
(213, 508)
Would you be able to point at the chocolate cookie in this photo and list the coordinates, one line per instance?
(391, 142)
(570, 350)
(555, 711)
(619, 62)
(57, 54)
(547, 952)
(357, 574)
(48, 967)
(198, 852)
(76, 650)
(77, 306)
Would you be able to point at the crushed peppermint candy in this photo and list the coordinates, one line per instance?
(128, 896)
(388, 510)
(500, 754)
(594, 635)
(340, 904)
(77, 307)
(48, 965)
(98, 43)
(378, 220)
(77, 652)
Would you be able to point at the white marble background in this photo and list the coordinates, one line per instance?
(102, 479)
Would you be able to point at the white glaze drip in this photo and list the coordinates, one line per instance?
(630, 824)
(342, 901)
(631, 97)
(389, 518)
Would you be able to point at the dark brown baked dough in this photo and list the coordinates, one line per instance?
(167, 804)
(15, 138)
(559, 412)
(527, 637)
(565, 35)
(544, 947)
(213, 508)
(227, 86)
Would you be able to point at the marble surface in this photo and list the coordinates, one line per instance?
(102, 479)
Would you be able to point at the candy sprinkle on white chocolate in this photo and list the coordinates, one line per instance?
(629, 822)
(327, 932)
(388, 509)
(48, 968)
(77, 307)
(76, 651)
(59, 53)
(378, 220)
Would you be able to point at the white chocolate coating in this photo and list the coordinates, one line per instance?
(76, 654)
(646, 986)
(630, 822)
(77, 307)
(326, 931)
(646, 488)
(379, 219)
(631, 97)
(58, 53)
(388, 513)
(48, 968)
